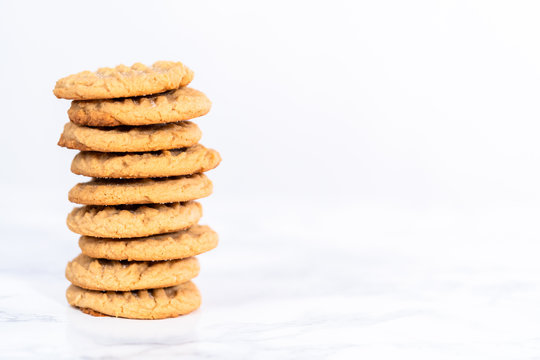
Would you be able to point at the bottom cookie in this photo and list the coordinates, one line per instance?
(142, 304)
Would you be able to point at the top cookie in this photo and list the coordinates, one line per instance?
(124, 81)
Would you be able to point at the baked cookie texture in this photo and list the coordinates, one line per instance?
(138, 219)
(133, 220)
(130, 139)
(164, 163)
(171, 106)
(142, 304)
(99, 274)
(124, 81)
(141, 191)
(196, 240)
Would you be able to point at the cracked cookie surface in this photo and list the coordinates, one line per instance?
(124, 81)
(129, 138)
(164, 163)
(171, 106)
(133, 220)
(185, 243)
(141, 191)
(113, 275)
(141, 304)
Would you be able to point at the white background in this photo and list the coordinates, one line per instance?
(377, 148)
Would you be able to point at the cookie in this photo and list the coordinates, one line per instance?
(124, 81)
(141, 191)
(130, 139)
(171, 106)
(133, 220)
(163, 163)
(182, 244)
(141, 304)
(100, 274)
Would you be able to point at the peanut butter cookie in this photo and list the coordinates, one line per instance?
(124, 81)
(193, 241)
(164, 163)
(100, 274)
(141, 191)
(130, 139)
(171, 106)
(142, 304)
(133, 220)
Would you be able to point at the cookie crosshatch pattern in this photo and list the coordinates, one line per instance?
(139, 220)
(182, 244)
(185, 161)
(100, 274)
(141, 191)
(172, 106)
(130, 139)
(123, 81)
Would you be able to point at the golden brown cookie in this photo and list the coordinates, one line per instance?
(100, 274)
(171, 106)
(193, 241)
(124, 81)
(133, 220)
(130, 139)
(141, 304)
(141, 191)
(164, 163)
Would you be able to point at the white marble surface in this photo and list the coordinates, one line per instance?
(348, 283)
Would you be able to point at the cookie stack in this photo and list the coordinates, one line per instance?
(139, 220)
